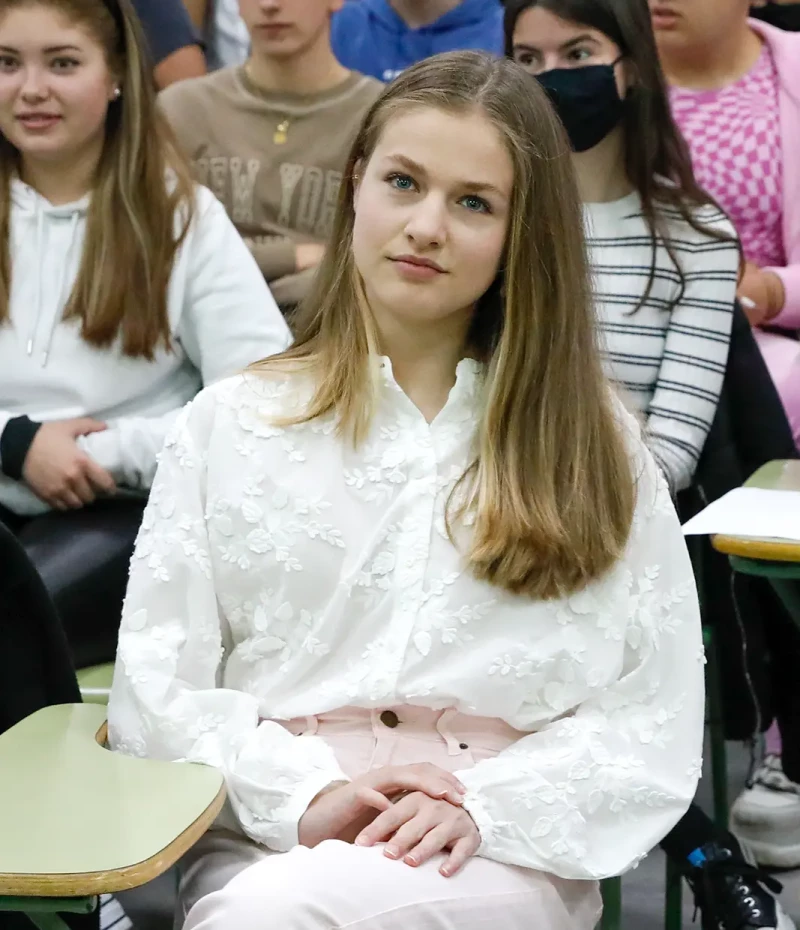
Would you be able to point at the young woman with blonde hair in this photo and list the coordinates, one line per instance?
(416, 586)
(123, 289)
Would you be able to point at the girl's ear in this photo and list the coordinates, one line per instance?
(631, 74)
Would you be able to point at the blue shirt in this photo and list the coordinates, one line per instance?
(368, 35)
(167, 27)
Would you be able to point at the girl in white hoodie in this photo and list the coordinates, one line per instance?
(123, 287)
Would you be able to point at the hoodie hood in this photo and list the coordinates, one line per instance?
(370, 37)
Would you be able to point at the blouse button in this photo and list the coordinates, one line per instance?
(389, 719)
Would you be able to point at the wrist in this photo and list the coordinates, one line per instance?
(776, 295)
(327, 790)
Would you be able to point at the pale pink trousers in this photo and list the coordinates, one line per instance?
(231, 883)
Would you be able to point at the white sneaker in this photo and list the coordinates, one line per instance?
(766, 817)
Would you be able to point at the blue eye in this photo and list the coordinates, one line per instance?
(401, 182)
(476, 204)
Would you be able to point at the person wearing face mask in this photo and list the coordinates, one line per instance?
(735, 93)
(665, 263)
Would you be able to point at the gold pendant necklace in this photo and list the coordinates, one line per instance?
(281, 132)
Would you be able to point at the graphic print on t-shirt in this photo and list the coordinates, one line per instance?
(308, 193)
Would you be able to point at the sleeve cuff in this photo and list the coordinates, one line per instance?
(14, 445)
(474, 806)
(284, 836)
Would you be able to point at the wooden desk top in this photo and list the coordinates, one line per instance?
(775, 476)
(77, 819)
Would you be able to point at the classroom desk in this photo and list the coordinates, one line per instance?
(775, 559)
(77, 819)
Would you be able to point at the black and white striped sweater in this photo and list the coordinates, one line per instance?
(670, 362)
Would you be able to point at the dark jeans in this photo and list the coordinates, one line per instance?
(35, 665)
(82, 556)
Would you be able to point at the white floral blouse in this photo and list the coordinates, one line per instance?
(281, 573)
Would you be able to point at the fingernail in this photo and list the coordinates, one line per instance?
(462, 788)
(412, 860)
(391, 851)
(444, 871)
(362, 841)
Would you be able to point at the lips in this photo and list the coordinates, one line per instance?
(663, 17)
(419, 262)
(38, 120)
(272, 29)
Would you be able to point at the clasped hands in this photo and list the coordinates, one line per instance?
(419, 815)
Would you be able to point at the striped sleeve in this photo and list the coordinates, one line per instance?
(695, 355)
(669, 354)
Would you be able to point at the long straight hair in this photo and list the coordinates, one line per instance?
(657, 159)
(142, 196)
(550, 491)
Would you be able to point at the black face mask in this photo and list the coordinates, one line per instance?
(784, 16)
(586, 100)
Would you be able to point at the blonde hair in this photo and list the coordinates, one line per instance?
(551, 488)
(141, 184)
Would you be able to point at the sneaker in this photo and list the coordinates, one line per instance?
(731, 894)
(766, 817)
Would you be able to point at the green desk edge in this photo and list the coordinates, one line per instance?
(72, 809)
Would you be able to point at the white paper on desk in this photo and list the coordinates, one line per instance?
(751, 512)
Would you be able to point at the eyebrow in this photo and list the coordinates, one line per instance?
(50, 50)
(417, 168)
(585, 37)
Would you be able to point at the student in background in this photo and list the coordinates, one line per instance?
(382, 37)
(171, 40)
(123, 289)
(665, 263)
(735, 91)
(442, 568)
(270, 138)
(664, 257)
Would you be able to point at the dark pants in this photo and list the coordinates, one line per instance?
(35, 665)
(82, 557)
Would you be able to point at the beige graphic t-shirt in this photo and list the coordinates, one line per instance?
(274, 160)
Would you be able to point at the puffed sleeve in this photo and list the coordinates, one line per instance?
(168, 699)
(590, 794)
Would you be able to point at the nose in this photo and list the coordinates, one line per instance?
(427, 224)
(34, 85)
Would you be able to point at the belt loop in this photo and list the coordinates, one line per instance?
(312, 725)
(375, 721)
(443, 726)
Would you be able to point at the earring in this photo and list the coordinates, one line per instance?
(117, 93)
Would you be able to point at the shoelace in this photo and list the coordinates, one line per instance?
(741, 870)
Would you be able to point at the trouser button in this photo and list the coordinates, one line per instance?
(389, 719)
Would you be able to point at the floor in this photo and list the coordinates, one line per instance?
(150, 907)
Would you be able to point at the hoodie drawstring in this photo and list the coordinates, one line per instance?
(60, 298)
(40, 272)
(58, 316)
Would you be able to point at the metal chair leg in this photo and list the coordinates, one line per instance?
(673, 906)
(612, 904)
